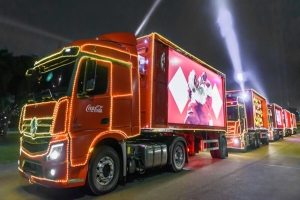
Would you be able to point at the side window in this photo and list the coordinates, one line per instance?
(93, 78)
(242, 114)
(101, 80)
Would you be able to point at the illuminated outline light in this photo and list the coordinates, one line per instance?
(60, 101)
(94, 142)
(183, 52)
(108, 58)
(22, 118)
(53, 118)
(53, 55)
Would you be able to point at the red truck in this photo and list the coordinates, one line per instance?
(288, 129)
(103, 108)
(247, 119)
(276, 124)
(294, 123)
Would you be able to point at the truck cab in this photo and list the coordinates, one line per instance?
(236, 123)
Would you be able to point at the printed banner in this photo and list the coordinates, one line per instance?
(194, 93)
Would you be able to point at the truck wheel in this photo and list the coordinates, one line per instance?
(178, 157)
(103, 172)
(254, 143)
(213, 153)
(258, 140)
(221, 152)
(267, 141)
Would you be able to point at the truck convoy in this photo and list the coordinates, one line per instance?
(247, 119)
(288, 129)
(106, 107)
(276, 124)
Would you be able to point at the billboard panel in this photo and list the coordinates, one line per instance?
(279, 120)
(287, 119)
(195, 93)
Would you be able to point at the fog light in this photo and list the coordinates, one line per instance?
(52, 172)
(236, 140)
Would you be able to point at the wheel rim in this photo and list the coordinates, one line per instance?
(105, 170)
(178, 156)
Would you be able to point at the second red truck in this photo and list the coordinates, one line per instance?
(247, 119)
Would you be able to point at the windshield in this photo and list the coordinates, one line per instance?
(51, 80)
(270, 118)
(232, 113)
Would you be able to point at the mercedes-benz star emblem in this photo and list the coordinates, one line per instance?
(33, 126)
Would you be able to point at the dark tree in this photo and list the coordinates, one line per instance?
(13, 85)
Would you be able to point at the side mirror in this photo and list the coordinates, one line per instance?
(90, 85)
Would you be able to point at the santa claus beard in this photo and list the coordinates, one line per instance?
(199, 94)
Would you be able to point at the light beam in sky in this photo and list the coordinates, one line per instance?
(32, 29)
(225, 23)
(227, 31)
(146, 18)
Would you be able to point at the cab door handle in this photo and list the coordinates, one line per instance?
(76, 126)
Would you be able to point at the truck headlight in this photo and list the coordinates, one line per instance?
(55, 151)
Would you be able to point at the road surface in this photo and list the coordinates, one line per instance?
(270, 172)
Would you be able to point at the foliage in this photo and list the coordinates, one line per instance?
(9, 148)
(13, 84)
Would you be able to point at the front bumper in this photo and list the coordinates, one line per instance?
(234, 143)
(36, 169)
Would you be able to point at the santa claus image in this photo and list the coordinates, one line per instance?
(199, 93)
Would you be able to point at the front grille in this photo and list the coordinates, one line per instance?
(230, 129)
(34, 146)
(37, 127)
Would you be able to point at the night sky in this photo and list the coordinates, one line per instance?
(267, 32)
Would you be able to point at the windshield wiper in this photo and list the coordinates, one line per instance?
(48, 95)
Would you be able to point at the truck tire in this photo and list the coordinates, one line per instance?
(265, 141)
(258, 140)
(178, 157)
(221, 152)
(254, 142)
(213, 153)
(103, 172)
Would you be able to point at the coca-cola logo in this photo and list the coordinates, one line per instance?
(96, 108)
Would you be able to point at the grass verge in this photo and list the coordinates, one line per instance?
(9, 148)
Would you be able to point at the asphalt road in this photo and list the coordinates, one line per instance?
(270, 172)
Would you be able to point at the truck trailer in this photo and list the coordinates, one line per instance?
(247, 119)
(276, 124)
(287, 119)
(294, 123)
(103, 108)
